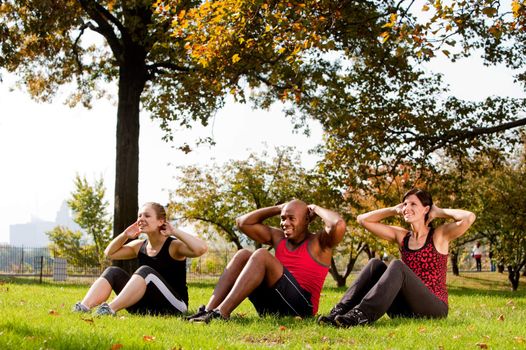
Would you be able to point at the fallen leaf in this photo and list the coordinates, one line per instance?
(89, 320)
(116, 346)
(53, 312)
(298, 318)
(510, 303)
(391, 334)
(482, 345)
(148, 338)
(282, 328)
(456, 336)
(520, 340)
(487, 337)
(325, 339)
(422, 330)
(501, 318)
(441, 347)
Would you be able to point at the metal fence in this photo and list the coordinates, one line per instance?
(42, 264)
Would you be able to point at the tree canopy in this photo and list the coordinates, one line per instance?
(351, 65)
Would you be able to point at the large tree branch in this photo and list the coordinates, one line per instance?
(460, 135)
(168, 65)
(103, 17)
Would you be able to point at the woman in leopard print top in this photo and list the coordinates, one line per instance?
(414, 286)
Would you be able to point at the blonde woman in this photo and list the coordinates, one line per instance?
(158, 286)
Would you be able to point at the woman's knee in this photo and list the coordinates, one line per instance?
(397, 264)
(111, 273)
(376, 264)
(144, 271)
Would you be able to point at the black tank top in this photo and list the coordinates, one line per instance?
(173, 271)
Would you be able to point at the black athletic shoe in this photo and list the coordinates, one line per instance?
(208, 316)
(200, 312)
(338, 309)
(352, 318)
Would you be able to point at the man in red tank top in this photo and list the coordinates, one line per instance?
(288, 283)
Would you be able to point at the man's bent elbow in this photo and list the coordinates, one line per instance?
(340, 225)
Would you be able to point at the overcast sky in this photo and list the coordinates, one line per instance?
(43, 146)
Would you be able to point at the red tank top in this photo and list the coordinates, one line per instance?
(428, 264)
(309, 273)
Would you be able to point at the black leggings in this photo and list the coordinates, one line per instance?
(395, 290)
(158, 299)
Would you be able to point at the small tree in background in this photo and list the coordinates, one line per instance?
(69, 245)
(90, 213)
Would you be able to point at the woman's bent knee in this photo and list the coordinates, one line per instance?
(144, 271)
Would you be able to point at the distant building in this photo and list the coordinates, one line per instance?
(33, 233)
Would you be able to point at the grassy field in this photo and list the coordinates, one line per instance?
(484, 314)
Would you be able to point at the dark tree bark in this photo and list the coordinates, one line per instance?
(513, 277)
(454, 262)
(132, 80)
(341, 279)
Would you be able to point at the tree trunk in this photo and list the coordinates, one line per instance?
(454, 262)
(132, 79)
(340, 279)
(514, 277)
(500, 267)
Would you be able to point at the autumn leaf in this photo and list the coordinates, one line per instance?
(425, 8)
(515, 8)
(53, 312)
(235, 58)
(520, 340)
(282, 328)
(489, 11)
(482, 345)
(384, 36)
(501, 318)
(148, 338)
(89, 320)
(116, 346)
(510, 303)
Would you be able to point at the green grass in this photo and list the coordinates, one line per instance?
(483, 312)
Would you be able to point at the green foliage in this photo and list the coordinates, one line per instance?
(213, 196)
(89, 212)
(502, 195)
(69, 245)
(89, 207)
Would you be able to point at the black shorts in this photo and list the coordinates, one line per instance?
(284, 298)
(158, 299)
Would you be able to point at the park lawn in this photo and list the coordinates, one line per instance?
(484, 313)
